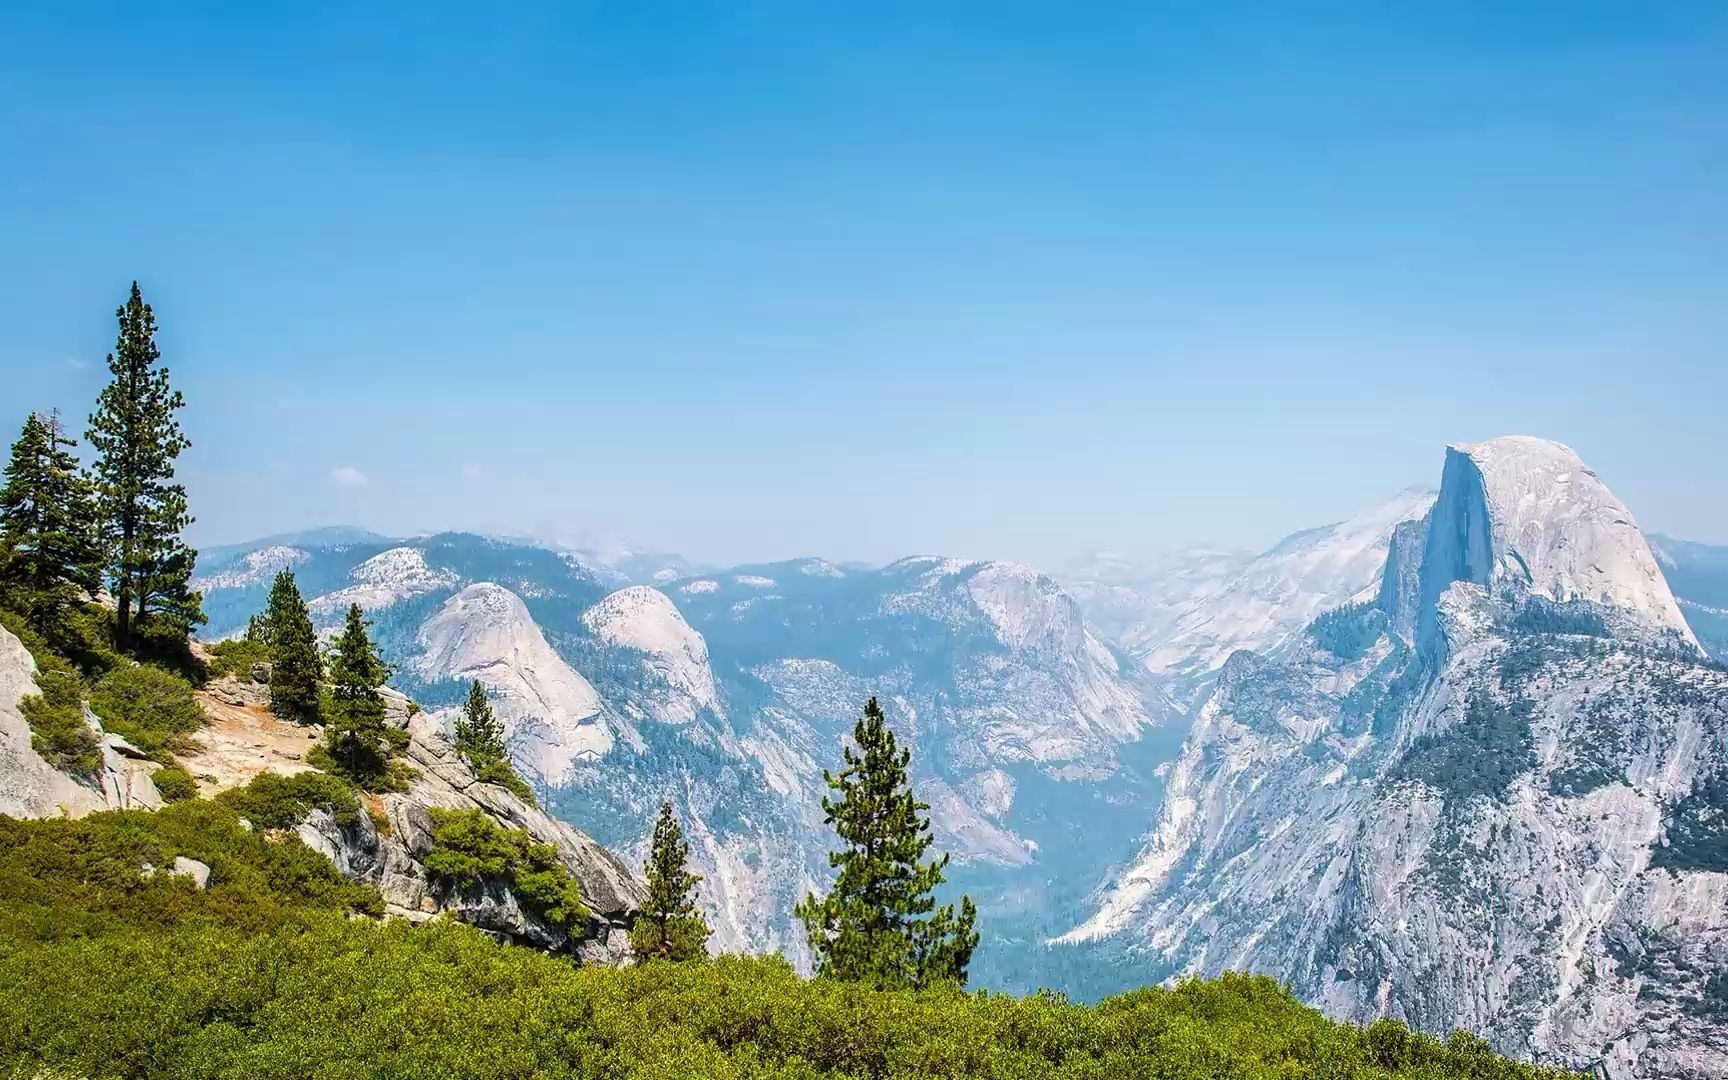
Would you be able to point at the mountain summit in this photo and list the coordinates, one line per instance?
(1490, 795)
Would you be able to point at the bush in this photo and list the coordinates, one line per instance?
(63, 878)
(469, 848)
(344, 998)
(275, 801)
(500, 773)
(152, 708)
(237, 657)
(58, 729)
(175, 784)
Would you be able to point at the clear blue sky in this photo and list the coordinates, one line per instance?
(759, 279)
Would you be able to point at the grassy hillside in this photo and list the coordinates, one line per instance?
(105, 972)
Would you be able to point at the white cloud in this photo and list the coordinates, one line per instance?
(348, 476)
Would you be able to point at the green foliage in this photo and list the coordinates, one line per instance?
(1479, 756)
(58, 730)
(149, 707)
(275, 801)
(880, 924)
(50, 548)
(63, 878)
(357, 999)
(357, 739)
(237, 657)
(1697, 828)
(295, 668)
(480, 741)
(470, 849)
(1348, 632)
(142, 510)
(669, 927)
(175, 784)
(479, 732)
(500, 773)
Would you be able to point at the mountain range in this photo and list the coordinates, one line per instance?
(1457, 759)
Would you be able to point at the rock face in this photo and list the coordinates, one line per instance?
(30, 787)
(393, 859)
(678, 683)
(1491, 795)
(551, 713)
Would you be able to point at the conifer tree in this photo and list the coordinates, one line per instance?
(50, 553)
(143, 511)
(479, 733)
(669, 927)
(295, 668)
(880, 923)
(357, 736)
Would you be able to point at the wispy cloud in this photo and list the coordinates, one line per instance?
(473, 473)
(348, 476)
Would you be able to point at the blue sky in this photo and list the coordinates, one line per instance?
(994, 279)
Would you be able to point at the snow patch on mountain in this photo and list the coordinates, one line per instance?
(389, 577)
(253, 568)
(645, 620)
(552, 714)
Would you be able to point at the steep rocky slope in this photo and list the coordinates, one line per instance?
(1493, 795)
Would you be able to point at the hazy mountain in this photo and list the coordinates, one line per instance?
(1492, 795)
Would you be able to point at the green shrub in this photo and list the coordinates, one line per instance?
(275, 801)
(332, 997)
(500, 773)
(469, 848)
(152, 708)
(175, 784)
(74, 878)
(237, 657)
(58, 729)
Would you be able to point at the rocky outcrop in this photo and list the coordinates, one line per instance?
(392, 858)
(30, 787)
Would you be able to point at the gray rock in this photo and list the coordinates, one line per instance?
(191, 868)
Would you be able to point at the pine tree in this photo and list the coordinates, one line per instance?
(357, 736)
(143, 511)
(295, 668)
(669, 927)
(880, 923)
(479, 733)
(50, 551)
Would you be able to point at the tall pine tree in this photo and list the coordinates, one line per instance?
(880, 923)
(669, 927)
(359, 739)
(137, 439)
(295, 667)
(479, 732)
(50, 552)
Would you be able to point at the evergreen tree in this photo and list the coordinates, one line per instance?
(143, 511)
(880, 923)
(50, 552)
(669, 927)
(295, 668)
(357, 737)
(479, 733)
